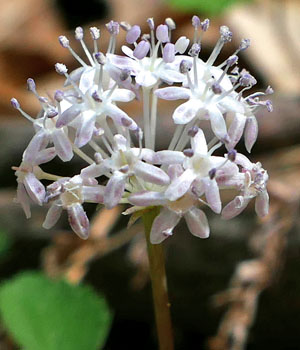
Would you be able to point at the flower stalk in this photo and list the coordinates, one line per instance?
(159, 285)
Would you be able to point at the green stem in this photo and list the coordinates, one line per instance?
(159, 285)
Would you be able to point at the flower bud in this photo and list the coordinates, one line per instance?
(133, 34)
(169, 53)
(141, 49)
(182, 44)
(170, 23)
(162, 33)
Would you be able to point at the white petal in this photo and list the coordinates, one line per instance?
(243, 161)
(235, 130)
(93, 194)
(262, 204)
(85, 131)
(31, 152)
(35, 188)
(74, 76)
(173, 93)
(45, 156)
(198, 143)
(23, 199)
(251, 131)
(114, 190)
(163, 226)
(146, 78)
(127, 51)
(171, 76)
(68, 116)
(147, 198)
(117, 115)
(235, 207)
(78, 220)
(187, 111)
(151, 173)
(230, 104)
(212, 194)
(62, 145)
(53, 215)
(122, 95)
(87, 79)
(169, 157)
(174, 171)
(217, 121)
(180, 185)
(197, 223)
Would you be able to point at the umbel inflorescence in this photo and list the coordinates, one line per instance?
(125, 166)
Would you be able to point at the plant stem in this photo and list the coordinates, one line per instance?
(159, 285)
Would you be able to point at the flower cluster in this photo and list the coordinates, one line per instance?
(125, 166)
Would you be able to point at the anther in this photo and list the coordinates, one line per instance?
(193, 131)
(212, 173)
(61, 68)
(195, 50)
(231, 155)
(95, 33)
(185, 66)
(226, 34)
(188, 152)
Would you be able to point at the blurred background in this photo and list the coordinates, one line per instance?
(239, 289)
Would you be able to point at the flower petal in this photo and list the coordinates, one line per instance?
(169, 157)
(118, 116)
(198, 143)
(235, 207)
(151, 173)
(262, 204)
(114, 190)
(217, 121)
(212, 194)
(31, 152)
(235, 130)
(35, 188)
(197, 222)
(146, 78)
(62, 145)
(23, 199)
(173, 93)
(45, 156)
(78, 220)
(85, 131)
(93, 194)
(187, 111)
(180, 185)
(53, 215)
(147, 198)
(163, 226)
(68, 116)
(251, 131)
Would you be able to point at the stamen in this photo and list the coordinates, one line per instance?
(66, 44)
(79, 37)
(15, 104)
